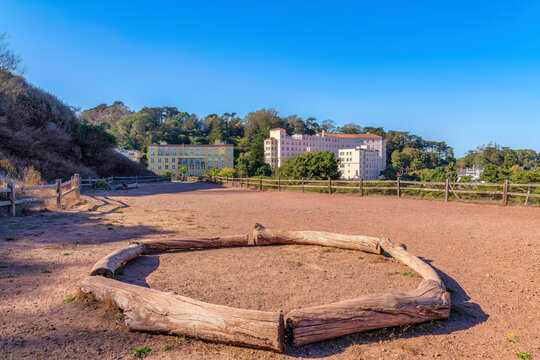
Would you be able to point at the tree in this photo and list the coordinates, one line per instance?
(319, 165)
(106, 115)
(216, 132)
(510, 159)
(351, 128)
(8, 60)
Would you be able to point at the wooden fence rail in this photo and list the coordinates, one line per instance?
(125, 179)
(397, 187)
(12, 191)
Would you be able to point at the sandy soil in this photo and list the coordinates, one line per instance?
(488, 256)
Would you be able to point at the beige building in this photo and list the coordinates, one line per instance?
(133, 155)
(280, 146)
(360, 162)
(170, 158)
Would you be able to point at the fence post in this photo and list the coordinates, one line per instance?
(398, 187)
(361, 187)
(329, 185)
(59, 193)
(302, 184)
(136, 179)
(157, 179)
(12, 198)
(78, 185)
(260, 183)
(247, 183)
(528, 193)
(278, 184)
(226, 180)
(505, 192)
(447, 190)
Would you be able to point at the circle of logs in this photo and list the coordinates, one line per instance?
(152, 310)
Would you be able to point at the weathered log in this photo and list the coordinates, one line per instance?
(263, 236)
(429, 301)
(399, 252)
(151, 310)
(114, 260)
(202, 243)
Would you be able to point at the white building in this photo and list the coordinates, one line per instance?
(360, 162)
(133, 155)
(472, 173)
(279, 146)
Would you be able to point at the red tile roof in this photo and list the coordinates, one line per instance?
(353, 136)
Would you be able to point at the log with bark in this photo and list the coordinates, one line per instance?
(151, 310)
(197, 243)
(264, 236)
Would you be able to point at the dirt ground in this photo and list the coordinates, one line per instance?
(488, 256)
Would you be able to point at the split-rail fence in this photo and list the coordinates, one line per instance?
(505, 192)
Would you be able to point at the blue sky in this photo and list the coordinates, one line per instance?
(464, 72)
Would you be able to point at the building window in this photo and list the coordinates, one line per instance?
(166, 167)
(159, 167)
(159, 160)
(152, 160)
(173, 167)
(152, 167)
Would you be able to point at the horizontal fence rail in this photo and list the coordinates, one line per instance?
(125, 180)
(74, 186)
(460, 191)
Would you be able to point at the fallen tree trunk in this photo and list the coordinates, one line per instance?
(429, 301)
(151, 310)
(265, 236)
(202, 243)
(114, 260)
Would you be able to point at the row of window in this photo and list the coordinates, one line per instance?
(188, 154)
(190, 148)
(201, 167)
(181, 161)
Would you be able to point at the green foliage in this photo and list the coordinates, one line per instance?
(226, 172)
(69, 299)
(101, 185)
(317, 166)
(167, 347)
(523, 355)
(140, 352)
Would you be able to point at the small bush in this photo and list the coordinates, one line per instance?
(140, 352)
(45, 271)
(9, 238)
(167, 347)
(523, 355)
(101, 185)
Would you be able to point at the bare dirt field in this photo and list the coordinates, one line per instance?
(488, 256)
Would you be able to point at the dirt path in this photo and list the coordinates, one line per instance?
(488, 256)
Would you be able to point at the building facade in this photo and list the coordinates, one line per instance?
(171, 158)
(473, 173)
(133, 155)
(279, 146)
(360, 163)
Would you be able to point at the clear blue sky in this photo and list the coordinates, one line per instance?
(466, 72)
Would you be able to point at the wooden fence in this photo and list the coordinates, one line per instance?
(59, 194)
(521, 193)
(125, 180)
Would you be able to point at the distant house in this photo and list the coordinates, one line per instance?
(133, 155)
(472, 173)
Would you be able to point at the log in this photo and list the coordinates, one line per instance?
(203, 243)
(126, 186)
(429, 301)
(114, 260)
(263, 236)
(151, 310)
(399, 252)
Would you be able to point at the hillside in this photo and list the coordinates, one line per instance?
(38, 132)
